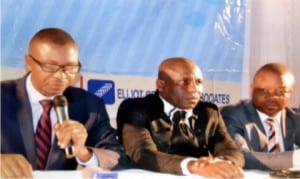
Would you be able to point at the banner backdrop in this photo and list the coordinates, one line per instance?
(122, 42)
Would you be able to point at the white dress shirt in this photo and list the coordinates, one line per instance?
(263, 117)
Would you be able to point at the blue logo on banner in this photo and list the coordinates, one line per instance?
(104, 89)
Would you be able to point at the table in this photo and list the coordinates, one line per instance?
(137, 173)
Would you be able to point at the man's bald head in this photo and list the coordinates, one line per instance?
(180, 82)
(278, 69)
(171, 66)
(52, 35)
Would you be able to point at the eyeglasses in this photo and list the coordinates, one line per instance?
(277, 93)
(51, 68)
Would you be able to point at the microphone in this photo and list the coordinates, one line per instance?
(61, 108)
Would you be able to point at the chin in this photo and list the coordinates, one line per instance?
(271, 112)
(55, 92)
(190, 106)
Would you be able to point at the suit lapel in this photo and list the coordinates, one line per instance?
(255, 117)
(157, 109)
(283, 124)
(166, 118)
(192, 121)
(56, 156)
(256, 130)
(287, 129)
(24, 116)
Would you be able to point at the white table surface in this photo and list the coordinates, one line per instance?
(137, 173)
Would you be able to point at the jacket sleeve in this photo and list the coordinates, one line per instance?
(220, 142)
(102, 137)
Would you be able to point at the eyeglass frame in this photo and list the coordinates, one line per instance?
(277, 93)
(63, 67)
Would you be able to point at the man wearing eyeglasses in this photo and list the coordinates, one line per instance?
(53, 65)
(265, 128)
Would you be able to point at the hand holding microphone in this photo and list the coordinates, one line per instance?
(61, 109)
(71, 134)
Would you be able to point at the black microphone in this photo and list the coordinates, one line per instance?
(61, 108)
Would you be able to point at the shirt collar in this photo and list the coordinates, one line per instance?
(169, 108)
(34, 95)
(263, 117)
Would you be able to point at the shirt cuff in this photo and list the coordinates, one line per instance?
(184, 163)
(92, 162)
(296, 159)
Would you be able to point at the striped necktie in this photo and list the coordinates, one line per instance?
(273, 145)
(43, 135)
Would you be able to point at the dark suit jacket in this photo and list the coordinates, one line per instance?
(17, 134)
(246, 128)
(145, 131)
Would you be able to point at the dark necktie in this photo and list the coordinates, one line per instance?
(273, 145)
(43, 135)
(183, 141)
(180, 127)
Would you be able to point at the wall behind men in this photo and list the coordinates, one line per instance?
(122, 42)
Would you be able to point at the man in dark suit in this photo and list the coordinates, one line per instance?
(247, 121)
(198, 144)
(52, 62)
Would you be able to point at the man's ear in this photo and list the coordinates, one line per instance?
(160, 84)
(28, 63)
(251, 89)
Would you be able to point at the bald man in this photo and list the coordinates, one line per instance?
(52, 63)
(271, 90)
(194, 143)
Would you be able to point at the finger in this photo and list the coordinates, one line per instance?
(65, 139)
(79, 141)
(233, 170)
(22, 166)
(76, 134)
(60, 127)
(210, 171)
(56, 126)
(222, 169)
(238, 173)
(71, 131)
(15, 165)
(230, 170)
(6, 172)
(64, 133)
(203, 161)
(79, 133)
(26, 168)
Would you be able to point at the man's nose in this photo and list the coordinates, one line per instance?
(61, 72)
(193, 86)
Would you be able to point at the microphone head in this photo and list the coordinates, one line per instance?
(60, 101)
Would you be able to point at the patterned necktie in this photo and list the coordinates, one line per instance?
(43, 135)
(179, 124)
(183, 141)
(273, 145)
